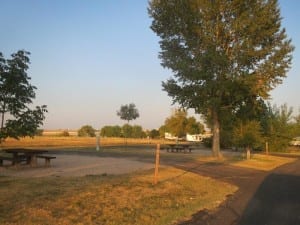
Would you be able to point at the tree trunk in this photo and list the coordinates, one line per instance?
(2, 121)
(248, 153)
(216, 135)
(2, 117)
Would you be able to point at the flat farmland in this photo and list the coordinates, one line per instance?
(73, 141)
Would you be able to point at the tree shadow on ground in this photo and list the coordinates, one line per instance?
(263, 198)
(276, 202)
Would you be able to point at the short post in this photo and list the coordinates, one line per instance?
(267, 148)
(97, 141)
(248, 154)
(156, 164)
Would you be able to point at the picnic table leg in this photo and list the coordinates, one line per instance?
(15, 161)
(33, 160)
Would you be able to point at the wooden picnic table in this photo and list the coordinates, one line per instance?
(28, 155)
(179, 148)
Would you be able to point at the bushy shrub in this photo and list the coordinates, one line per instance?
(64, 133)
(86, 131)
(111, 131)
(207, 142)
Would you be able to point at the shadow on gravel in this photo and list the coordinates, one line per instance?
(276, 202)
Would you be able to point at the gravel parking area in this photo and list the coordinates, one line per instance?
(77, 165)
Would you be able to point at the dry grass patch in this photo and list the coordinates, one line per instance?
(126, 199)
(74, 141)
(263, 162)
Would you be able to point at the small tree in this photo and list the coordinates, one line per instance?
(247, 135)
(162, 130)
(154, 134)
(86, 131)
(277, 126)
(193, 126)
(16, 94)
(178, 124)
(128, 112)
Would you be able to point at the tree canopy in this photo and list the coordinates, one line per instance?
(179, 124)
(224, 55)
(18, 119)
(128, 112)
(86, 131)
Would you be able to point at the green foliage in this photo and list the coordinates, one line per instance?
(128, 112)
(178, 124)
(16, 94)
(154, 134)
(162, 130)
(207, 142)
(224, 55)
(127, 130)
(86, 131)
(193, 126)
(111, 131)
(39, 132)
(133, 131)
(248, 135)
(137, 132)
(295, 127)
(278, 127)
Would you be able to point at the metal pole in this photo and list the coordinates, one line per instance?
(156, 164)
(97, 141)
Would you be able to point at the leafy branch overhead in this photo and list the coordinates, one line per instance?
(16, 94)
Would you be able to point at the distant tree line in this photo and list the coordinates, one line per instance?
(128, 131)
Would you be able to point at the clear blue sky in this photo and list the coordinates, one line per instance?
(90, 57)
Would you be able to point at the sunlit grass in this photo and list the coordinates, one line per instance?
(74, 141)
(126, 199)
(262, 162)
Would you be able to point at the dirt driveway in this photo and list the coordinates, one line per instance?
(78, 165)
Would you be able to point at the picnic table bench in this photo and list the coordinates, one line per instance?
(47, 158)
(2, 158)
(28, 155)
(178, 148)
(13, 160)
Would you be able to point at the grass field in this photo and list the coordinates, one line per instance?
(109, 200)
(74, 141)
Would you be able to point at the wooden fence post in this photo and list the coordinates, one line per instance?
(156, 164)
(267, 148)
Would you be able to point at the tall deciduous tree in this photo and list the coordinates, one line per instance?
(223, 54)
(16, 95)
